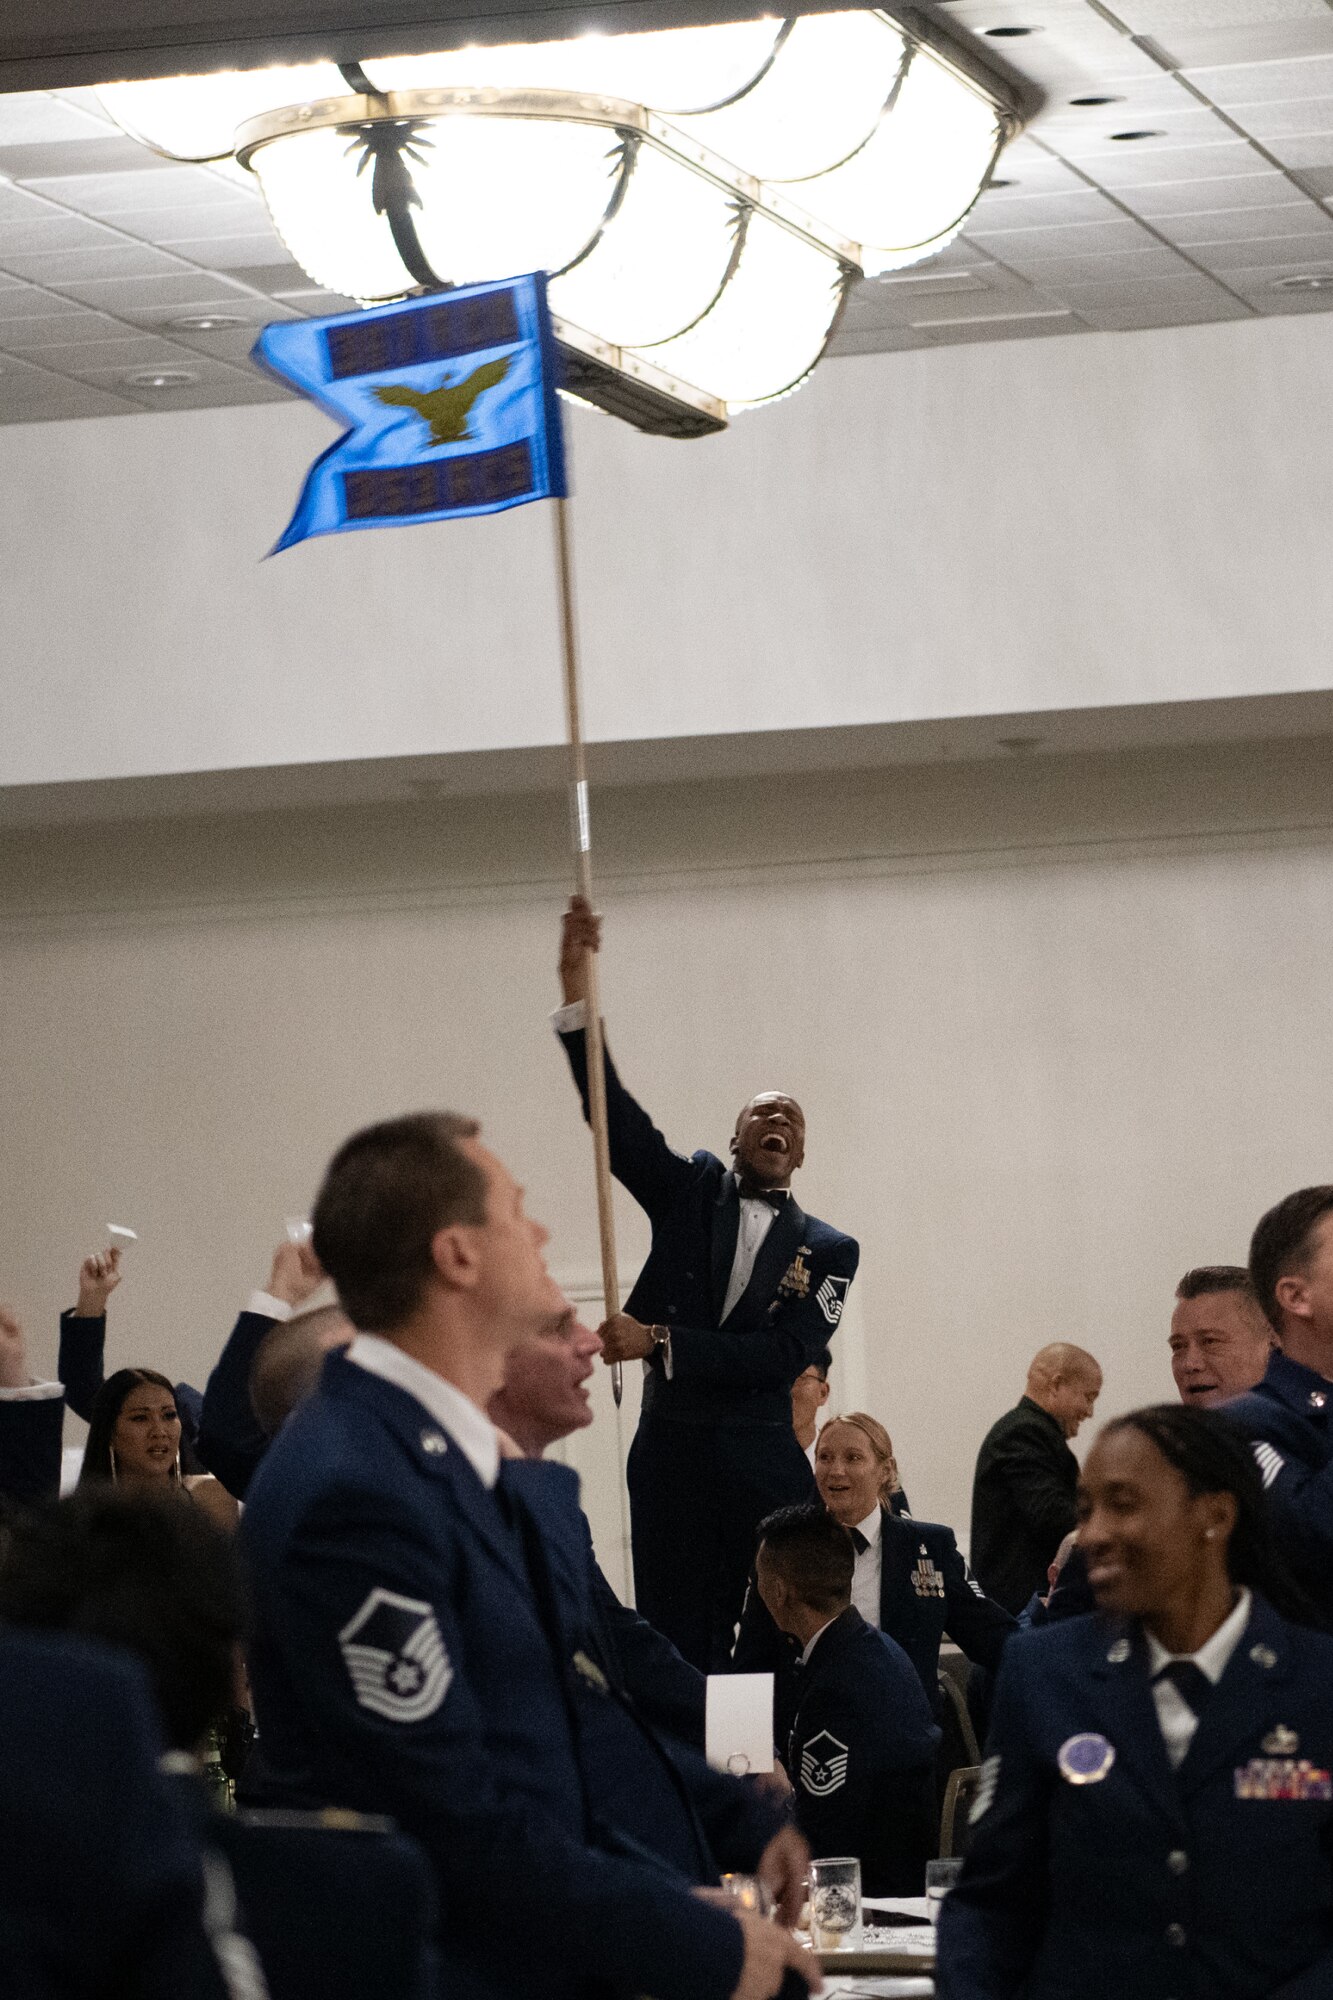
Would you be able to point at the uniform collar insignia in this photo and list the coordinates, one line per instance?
(1263, 1656)
(1118, 1652)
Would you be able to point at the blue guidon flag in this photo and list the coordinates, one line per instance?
(449, 401)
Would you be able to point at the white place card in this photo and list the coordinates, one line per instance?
(738, 1731)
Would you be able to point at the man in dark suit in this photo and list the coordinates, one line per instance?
(860, 1752)
(419, 1604)
(740, 1293)
(1026, 1476)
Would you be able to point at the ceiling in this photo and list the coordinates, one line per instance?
(1219, 210)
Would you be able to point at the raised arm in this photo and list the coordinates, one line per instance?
(641, 1160)
(83, 1332)
(231, 1439)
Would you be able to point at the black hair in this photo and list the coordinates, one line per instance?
(1281, 1243)
(1211, 1456)
(110, 1400)
(142, 1570)
(1205, 1279)
(812, 1552)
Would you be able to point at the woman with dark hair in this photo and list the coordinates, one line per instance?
(134, 1441)
(1155, 1811)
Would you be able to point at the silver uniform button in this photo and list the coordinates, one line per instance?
(1263, 1656)
(1177, 1861)
(434, 1442)
(1175, 1936)
(1318, 1398)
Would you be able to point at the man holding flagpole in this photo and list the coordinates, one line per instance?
(741, 1291)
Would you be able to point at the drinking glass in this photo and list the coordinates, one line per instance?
(835, 1903)
(941, 1876)
(749, 1893)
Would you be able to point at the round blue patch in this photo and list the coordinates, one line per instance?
(1085, 1759)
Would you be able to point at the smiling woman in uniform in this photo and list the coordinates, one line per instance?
(1156, 1805)
(134, 1440)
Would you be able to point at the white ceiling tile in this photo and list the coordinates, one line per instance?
(48, 231)
(117, 259)
(1310, 154)
(1132, 319)
(1295, 218)
(1241, 84)
(111, 154)
(997, 212)
(1205, 197)
(1165, 293)
(1076, 239)
(29, 302)
(1154, 260)
(1146, 164)
(193, 289)
(1161, 17)
(234, 253)
(164, 185)
(1285, 251)
(97, 359)
(1258, 42)
(77, 326)
(36, 117)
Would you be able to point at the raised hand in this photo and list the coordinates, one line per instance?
(98, 1277)
(295, 1274)
(580, 933)
(14, 1371)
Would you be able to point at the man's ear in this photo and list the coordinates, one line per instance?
(454, 1254)
(731, 1145)
(1293, 1295)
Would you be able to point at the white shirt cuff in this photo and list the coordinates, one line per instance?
(267, 1306)
(33, 1392)
(568, 1020)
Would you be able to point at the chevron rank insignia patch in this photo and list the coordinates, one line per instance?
(830, 1298)
(823, 1765)
(1270, 1463)
(395, 1657)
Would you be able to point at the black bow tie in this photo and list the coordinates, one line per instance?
(777, 1198)
(1191, 1683)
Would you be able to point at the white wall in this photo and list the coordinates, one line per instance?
(982, 529)
(1060, 1028)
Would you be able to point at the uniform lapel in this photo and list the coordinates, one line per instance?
(895, 1589)
(775, 1253)
(1123, 1693)
(1242, 1701)
(726, 1227)
(422, 1438)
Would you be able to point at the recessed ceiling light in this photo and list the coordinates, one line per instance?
(1307, 281)
(206, 322)
(999, 184)
(1005, 34)
(161, 378)
(1138, 135)
(1018, 744)
(1096, 100)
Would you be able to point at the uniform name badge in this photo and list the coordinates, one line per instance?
(1085, 1759)
(1284, 1778)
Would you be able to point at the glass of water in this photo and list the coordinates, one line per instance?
(835, 1903)
(941, 1876)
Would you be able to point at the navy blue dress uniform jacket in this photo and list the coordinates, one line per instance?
(740, 1370)
(414, 1655)
(101, 1889)
(925, 1591)
(861, 1757)
(1205, 1883)
(1288, 1419)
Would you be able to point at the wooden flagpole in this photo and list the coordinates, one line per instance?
(581, 833)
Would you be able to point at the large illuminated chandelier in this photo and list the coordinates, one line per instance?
(702, 198)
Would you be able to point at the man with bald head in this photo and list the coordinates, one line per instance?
(740, 1293)
(1023, 1494)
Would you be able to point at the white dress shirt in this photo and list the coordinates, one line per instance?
(869, 1567)
(1177, 1718)
(457, 1416)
